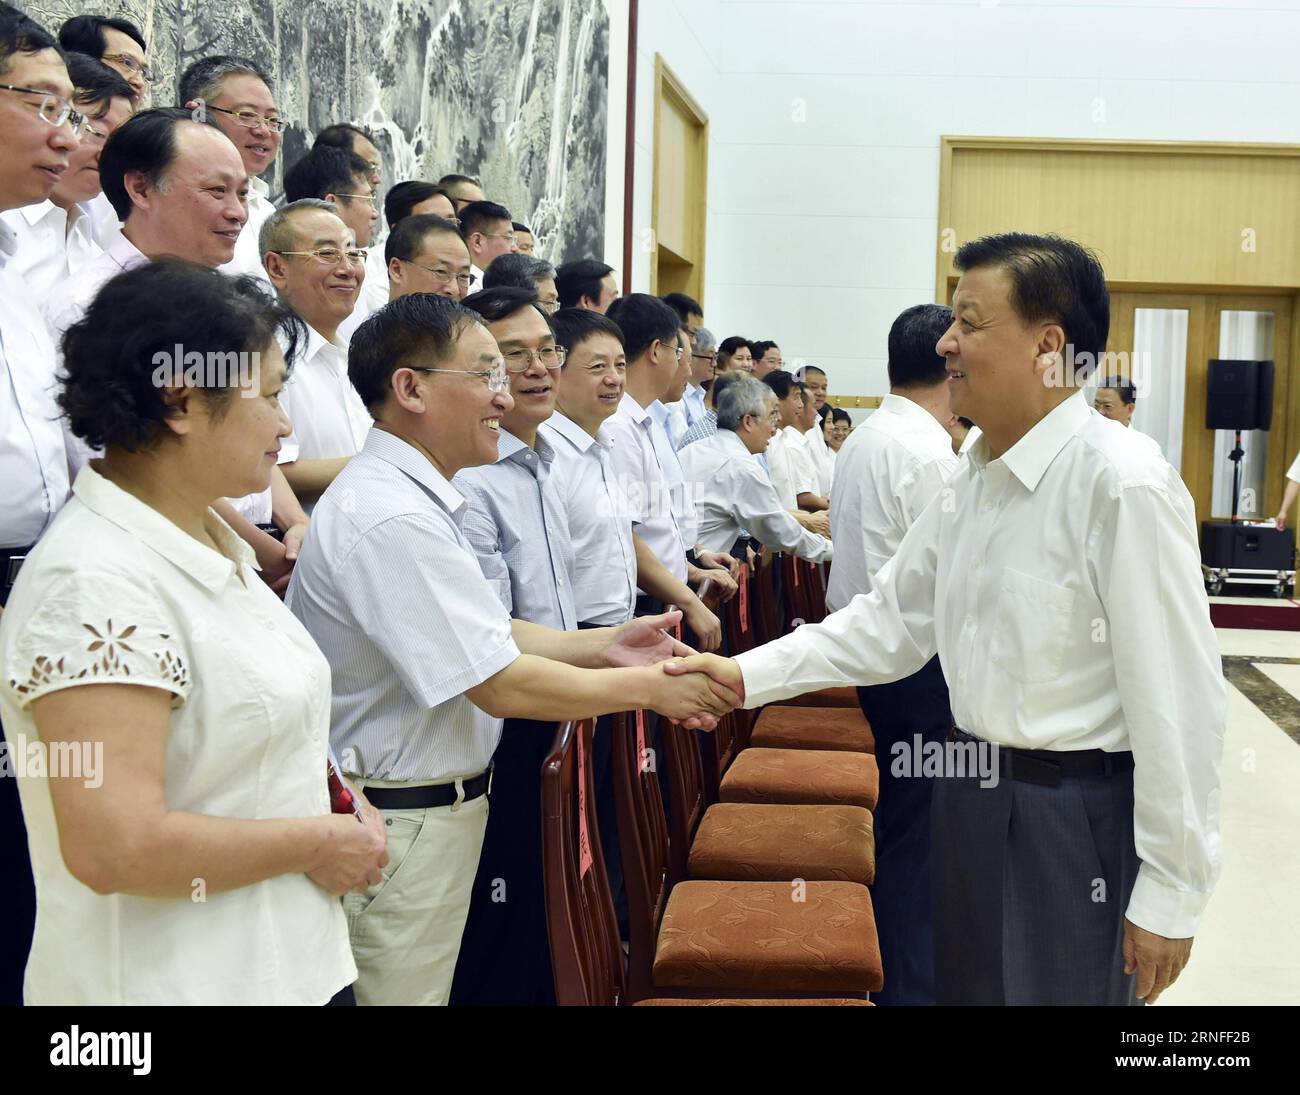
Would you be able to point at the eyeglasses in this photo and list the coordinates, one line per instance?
(132, 65)
(551, 357)
(251, 119)
(332, 256)
(445, 276)
(52, 109)
(705, 357)
(550, 307)
(501, 236)
(497, 378)
(368, 198)
(89, 130)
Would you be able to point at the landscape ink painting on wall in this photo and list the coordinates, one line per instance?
(512, 91)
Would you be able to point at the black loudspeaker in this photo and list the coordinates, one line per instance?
(1247, 547)
(1240, 395)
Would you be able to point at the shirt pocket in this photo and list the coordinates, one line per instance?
(1033, 621)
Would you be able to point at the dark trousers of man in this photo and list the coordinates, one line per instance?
(913, 708)
(1031, 882)
(505, 953)
(18, 890)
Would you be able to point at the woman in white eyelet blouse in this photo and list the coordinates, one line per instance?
(190, 856)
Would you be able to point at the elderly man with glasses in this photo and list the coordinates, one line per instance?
(236, 94)
(312, 260)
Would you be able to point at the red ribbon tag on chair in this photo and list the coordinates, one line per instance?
(584, 835)
(796, 567)
(744, 597)
(640, 741)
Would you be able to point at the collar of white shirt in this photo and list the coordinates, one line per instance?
(316, 342)
(211, 569)
(793, 434)
(258, 189)
(918, 417)
(1030, 457)
(579, 438)
(729, 441)
(629, 406)
(123, 252)
(407, 459)
(8, 244)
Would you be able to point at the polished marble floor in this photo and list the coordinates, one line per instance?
(1248, 948)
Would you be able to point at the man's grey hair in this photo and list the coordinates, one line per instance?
(277, 232)
(704, 341)
(517, 271)
(742, 396)
(203, 79)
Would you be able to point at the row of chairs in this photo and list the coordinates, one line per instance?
(749, 884)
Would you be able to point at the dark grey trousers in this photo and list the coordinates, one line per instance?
(1030, 888)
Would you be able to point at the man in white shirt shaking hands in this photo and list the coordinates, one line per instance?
(1057, 577)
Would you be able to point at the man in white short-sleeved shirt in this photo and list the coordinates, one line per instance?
(425, 659)
(1058, 577)
(315, 266)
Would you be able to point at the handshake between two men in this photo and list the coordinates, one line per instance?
(690, 688)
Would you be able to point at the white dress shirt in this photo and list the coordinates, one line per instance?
(643, 482)
(49, 248)
(62, 309)
(789, 467)
(822, 457)
(1061, 587)
(103, 219)
(33, 459)
(327, 415)
(375, 289)
(1149, 441)
(733, 495)
(390, 588)
(890, 468)
(600, 526)
(117, 594)
(362, 312)
(675, 421)
(679, 492)
(693, 404)
(1293, 472)
(247, 258)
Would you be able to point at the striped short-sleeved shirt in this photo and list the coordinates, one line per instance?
(392, 593)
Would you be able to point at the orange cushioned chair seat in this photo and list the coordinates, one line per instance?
(844, 696)
(769, 938)
(813, 728)
(755, 1002)
(802, 777)
(747, 841)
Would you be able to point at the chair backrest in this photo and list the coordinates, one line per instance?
(763, 604)
(643, 841)
(794, 591)
(686, 796)
(586, 954)
(816, 580)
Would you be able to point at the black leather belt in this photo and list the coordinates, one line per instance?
(1046, 767)
(424, 798)
(11, 561)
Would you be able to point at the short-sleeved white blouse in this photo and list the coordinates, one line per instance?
(116, 593)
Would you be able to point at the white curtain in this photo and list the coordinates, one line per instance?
(1243, 336)
(1159, 370)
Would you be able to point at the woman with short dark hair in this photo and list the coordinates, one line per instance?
(180, 830)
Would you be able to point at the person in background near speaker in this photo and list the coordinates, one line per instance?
(1289, 495)
(1058, 576)
(1116, 399)
(524, 238)
(889, 471)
